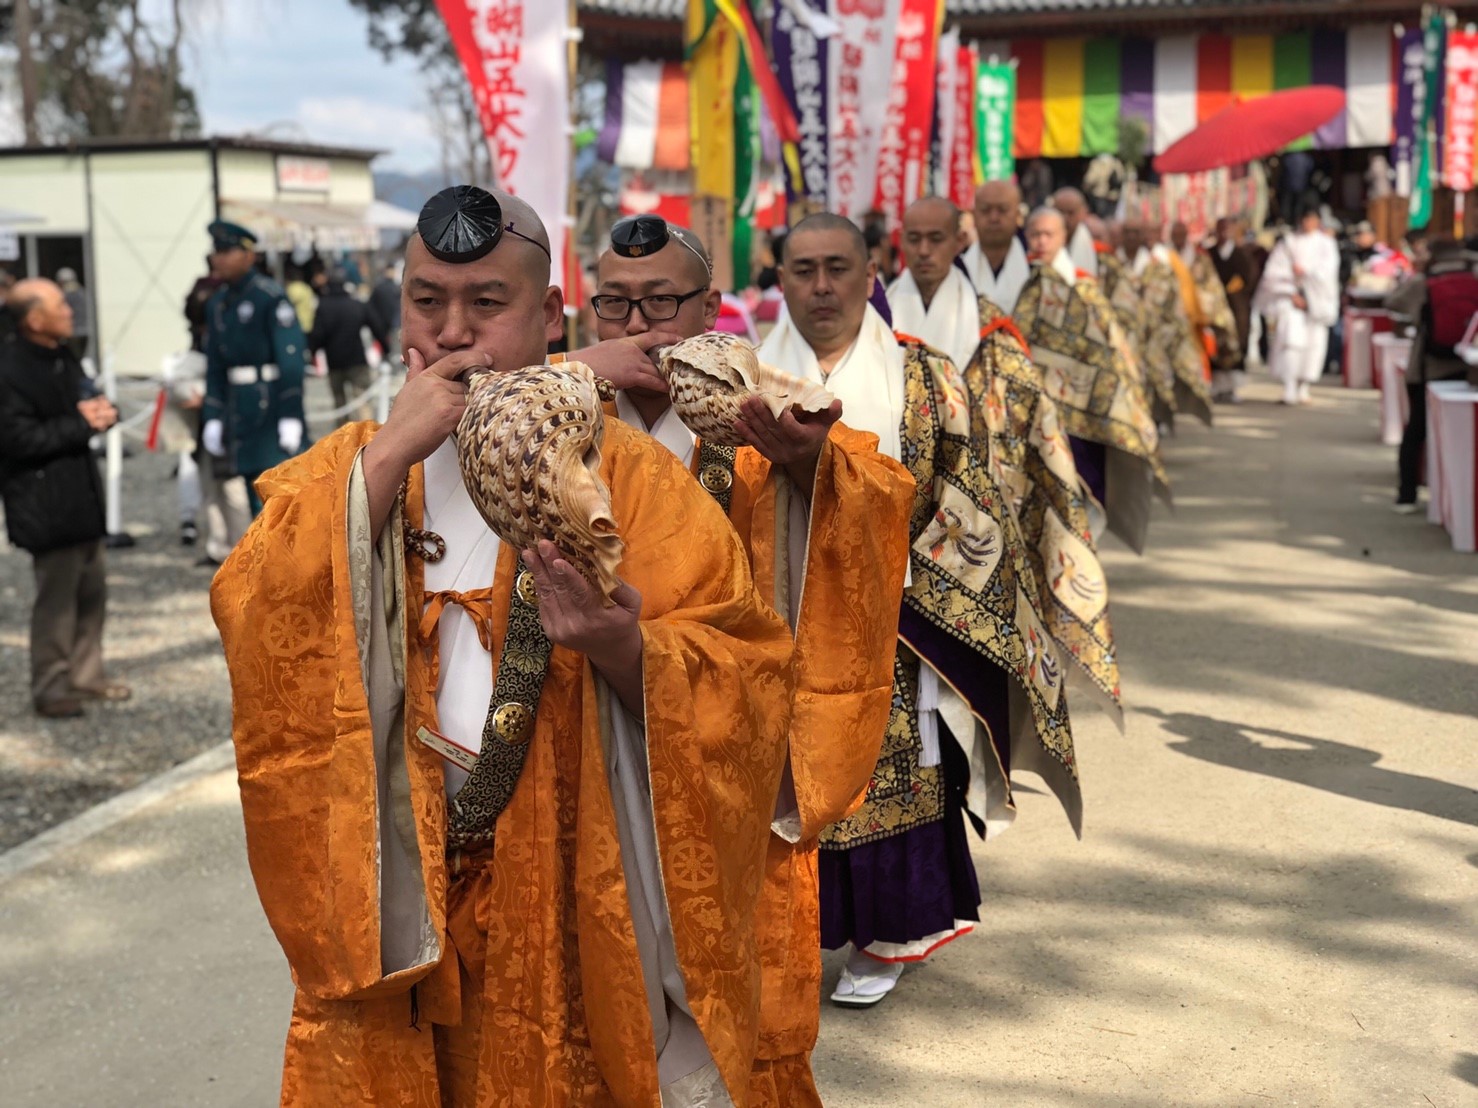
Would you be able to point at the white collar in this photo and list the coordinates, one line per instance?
(950, 323)
(868, 380)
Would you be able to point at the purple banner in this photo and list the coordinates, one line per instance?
(1410, 89)
(800, 63)
(610, 131)
(1137, 80)
(1328, 56)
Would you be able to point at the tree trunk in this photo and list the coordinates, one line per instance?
(27, 69)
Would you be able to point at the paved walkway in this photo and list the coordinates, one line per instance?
(1275, 901)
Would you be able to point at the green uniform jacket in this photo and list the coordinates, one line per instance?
(253, 324)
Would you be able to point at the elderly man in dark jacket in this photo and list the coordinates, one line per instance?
(54, 498)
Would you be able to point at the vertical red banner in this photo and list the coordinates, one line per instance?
(903, 157)
(962, 176)
(1462, 109)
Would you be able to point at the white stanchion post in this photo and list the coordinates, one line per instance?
(113, 458)
(382, 402)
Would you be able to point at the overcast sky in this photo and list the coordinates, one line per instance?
(305, 66)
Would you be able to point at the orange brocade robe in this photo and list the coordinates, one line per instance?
(844, 641)
(539, 950)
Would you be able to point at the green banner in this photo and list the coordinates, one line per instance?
(1101, 96)
(746, 168)
(995, 117)
(1293, 67)
(1426, 125)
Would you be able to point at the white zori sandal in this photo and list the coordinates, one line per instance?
(865, 981)
(870, 974)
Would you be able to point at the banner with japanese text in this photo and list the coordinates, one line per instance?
(860, 80)
(516, 57)
(1428, 159)
(903, 153)
(801, 64)
(1462, 109)
(1411, 79)
(944, 112)
(963, 172)
(995, 111)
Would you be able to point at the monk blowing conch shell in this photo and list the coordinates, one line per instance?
(711, 375)
(529, 447)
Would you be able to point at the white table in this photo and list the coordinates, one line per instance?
(1452, 460)
(1362, 326)
(1391, 354)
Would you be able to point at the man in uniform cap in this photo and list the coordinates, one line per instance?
(255, 353)
(823, 516)
(510, 838)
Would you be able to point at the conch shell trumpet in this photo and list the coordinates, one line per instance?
(710, 375)
(529, 447)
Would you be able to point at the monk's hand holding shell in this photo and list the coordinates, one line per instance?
(430, 405)
(626, 363)
(793, 439)
(574, 615)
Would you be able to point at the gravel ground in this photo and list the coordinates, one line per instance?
(159, 639)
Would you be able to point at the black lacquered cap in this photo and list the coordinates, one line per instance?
(636, 236)
(461, 224)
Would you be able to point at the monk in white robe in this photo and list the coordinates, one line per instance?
(997, 264)
(1299, 296)
(974, 667)
(1080, 246)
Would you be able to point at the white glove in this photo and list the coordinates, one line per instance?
(211, 438)
(290, 434)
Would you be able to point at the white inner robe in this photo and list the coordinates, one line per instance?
(1002, 289)
(950, 323)
(1082, 250)
(1306, 264)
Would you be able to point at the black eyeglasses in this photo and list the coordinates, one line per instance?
(655, 309)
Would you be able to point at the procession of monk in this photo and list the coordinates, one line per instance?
(524, 845)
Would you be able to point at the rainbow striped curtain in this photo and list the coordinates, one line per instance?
(1071, 92)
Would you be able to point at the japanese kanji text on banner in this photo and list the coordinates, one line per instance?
(516, 55)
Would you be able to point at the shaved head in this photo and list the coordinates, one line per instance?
(827, 277)
(997, 212)
(680, 269)
(931, 239)
(1046, 233)
(683, 253)
(1136, 234)
(500, 304)
(1097, 228)
(827, 221)
(1073, 206)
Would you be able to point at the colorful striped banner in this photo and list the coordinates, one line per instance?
(1072, 93)
(646, 122)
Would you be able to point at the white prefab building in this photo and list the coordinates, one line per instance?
(130, 218)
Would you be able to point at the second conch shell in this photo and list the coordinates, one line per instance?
(710, 376)
(529, 446)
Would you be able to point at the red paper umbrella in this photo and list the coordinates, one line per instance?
(1251, 129)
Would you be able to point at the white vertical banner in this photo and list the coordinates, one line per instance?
(1175, 90)
(516, 57)
(947, 110)
(1368, 79)
(860, 73)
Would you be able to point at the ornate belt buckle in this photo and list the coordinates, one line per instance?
(715, 479)
(523, 584)
(513, 722)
